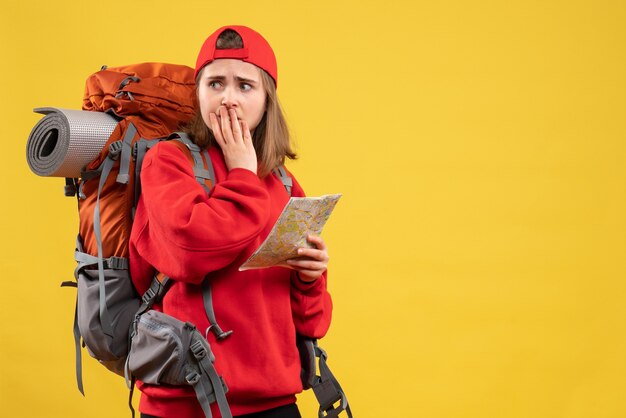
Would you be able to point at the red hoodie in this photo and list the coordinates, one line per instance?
(187, 235)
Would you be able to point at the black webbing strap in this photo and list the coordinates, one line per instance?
(70, 186)
(130, 396)
(328, 391)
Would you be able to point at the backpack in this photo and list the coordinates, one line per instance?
(116, 324)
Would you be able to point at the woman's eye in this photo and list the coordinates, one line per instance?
(245, 86)
(215, 84)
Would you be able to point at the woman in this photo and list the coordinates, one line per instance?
(188, 235)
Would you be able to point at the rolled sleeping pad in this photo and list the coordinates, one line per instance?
(64, 141)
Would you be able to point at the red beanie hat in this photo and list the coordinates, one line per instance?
(256, 50)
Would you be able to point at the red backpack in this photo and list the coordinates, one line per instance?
(149, 101)
(157, 99)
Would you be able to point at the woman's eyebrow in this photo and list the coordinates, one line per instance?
(239, 79)
(245, 80)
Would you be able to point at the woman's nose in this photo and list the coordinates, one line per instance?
(229, 98)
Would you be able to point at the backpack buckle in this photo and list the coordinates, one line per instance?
(115, 148)
(201, 350)
(192, 378)
(327, 396)
(198, 350)
(117, 263)
(148, 297)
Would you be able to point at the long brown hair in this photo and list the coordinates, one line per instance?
(271, 137)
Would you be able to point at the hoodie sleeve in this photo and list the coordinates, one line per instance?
(186, 234)
(311, 304)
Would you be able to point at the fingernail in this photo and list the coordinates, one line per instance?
(299, 250)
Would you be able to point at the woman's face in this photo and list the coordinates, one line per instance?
(234, 84)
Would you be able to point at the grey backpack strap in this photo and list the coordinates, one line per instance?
(123, 176)
(78, 354)
(210, 313)
(199, 383)
(281, 173)
(139, 152)
(208, 377)
(202, 382)
(76, 332)
(203, 176)
(114, 152)
(201, 173)
(115, 149)
(154, 294)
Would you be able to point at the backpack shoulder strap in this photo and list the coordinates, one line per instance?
(202, 165)
(281, 173)
(327, 390)
(205, 175)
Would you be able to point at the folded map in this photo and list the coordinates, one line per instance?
(301, 217)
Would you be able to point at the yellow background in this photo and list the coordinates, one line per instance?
(478, 252)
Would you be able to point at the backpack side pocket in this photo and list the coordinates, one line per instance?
(122, 304)
(165, 350)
